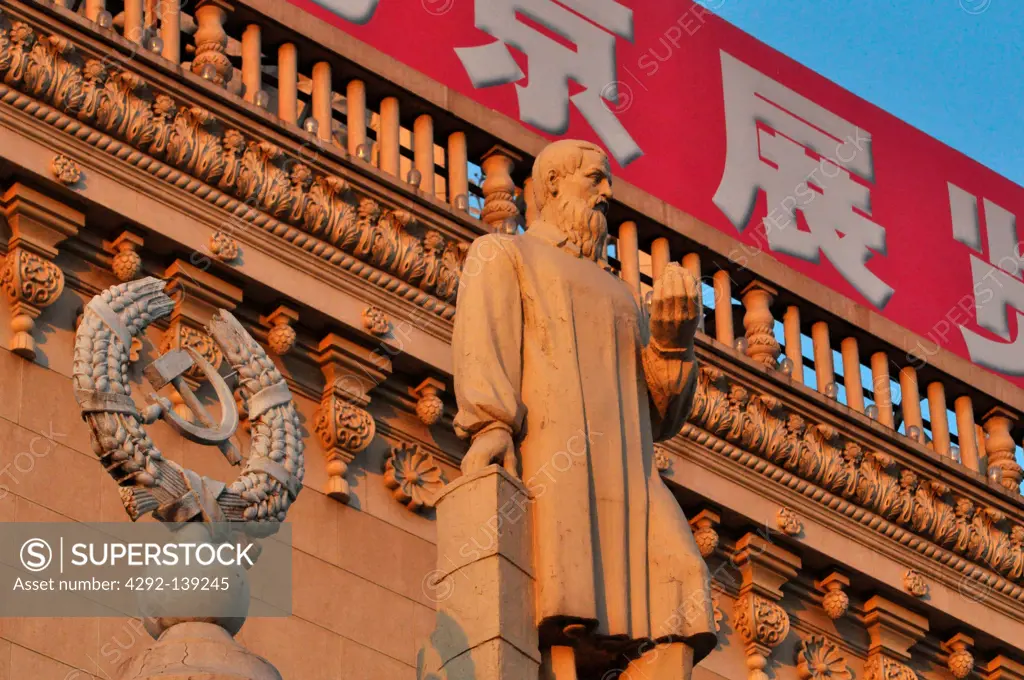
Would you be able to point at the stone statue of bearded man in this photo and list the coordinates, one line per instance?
(554, 354)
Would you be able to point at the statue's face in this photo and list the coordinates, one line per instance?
(582, 201)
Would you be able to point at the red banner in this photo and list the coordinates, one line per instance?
(707, 118)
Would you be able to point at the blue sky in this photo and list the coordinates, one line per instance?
(953, 68)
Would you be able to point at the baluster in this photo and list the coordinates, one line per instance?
(498, 187)
(211, 42)
(851, 374)
(458, 169)
(288, 83)
(691, 262)
(423, 151)
(93, 9)
(979, 438)
(824, 369)
(967, 432)
(1001, 448)
(355, 99)
(660, 257)
(628, 251)
(881, 388)
(323, 98)
(723, 307)
(252, 62)
(794, 343)
(910, 402)
(390, 136)
(759, 323)
(937, 414)
(170, 29)
(134, 21)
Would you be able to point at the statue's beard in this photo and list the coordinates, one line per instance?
(584, 224)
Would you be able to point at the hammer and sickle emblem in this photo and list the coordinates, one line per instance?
(168, 369)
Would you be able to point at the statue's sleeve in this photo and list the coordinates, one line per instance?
(671, 382)
(487, 340)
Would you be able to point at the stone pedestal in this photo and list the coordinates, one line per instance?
(483, 585)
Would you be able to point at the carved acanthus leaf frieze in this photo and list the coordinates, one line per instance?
(762, 425)
(261, 175)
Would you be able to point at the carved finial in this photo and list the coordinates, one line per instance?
(703, 525)
(281, 336)
(914, 583)
(960, 661)
(65, 170)
(788, 522)
(414, 477)
(28, 275)
(429, 406)
(126, 263)
(835, 601)
(376, 320)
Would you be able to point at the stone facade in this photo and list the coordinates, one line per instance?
(837, 546)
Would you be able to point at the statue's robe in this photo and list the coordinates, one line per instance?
(554, 348)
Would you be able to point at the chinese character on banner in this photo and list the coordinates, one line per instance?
(356, 11)
(592, 26)
(804, 158)
(997, 280)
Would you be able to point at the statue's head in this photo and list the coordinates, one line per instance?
(572, 187)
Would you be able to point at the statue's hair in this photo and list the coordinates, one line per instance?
(564, 157)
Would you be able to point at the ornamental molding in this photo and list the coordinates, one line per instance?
(820, 461)
(255, 180)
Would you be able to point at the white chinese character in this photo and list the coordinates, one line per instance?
(804, 158)
(544, 101)
(997, 285)
(356, 11)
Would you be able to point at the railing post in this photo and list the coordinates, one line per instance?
(851, 374)
(910, 402)
(170, 30)
(660, 257)
(938, 417)
(498, 187)
(390, 132)
(423, 151)
(458, 167)
(134, 21)
(322, 100)
(966, 432)
(355, 98)
(794, 341)
(288, 83)
(1001, 447)
(723, 308)
(628, 252)
(252, 61)
(691, 261)
(759, 323)
(211, 42)
(93, 9)
(881, 387)
(824, 368)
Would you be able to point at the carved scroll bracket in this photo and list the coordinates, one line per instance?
(834, 600)
(892, 630)
(197, 296)
(342, 423)
(429, 406)
(704, 525)
(760, 620)
(28, 275)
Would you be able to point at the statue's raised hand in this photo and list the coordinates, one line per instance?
(492, 446)
(675, 309)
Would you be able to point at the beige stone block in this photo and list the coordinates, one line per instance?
(493, 660)
(353, 607)
(314, 518)
(487, 599)
(119, 640)
(49, 408)
(11, 367)
(71, 641)
(296, 648)
(357, 662)
(30, 665)
(481, 515)
(55, 332)
(33, 465)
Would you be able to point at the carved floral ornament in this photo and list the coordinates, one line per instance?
(414, 477)
(65, 170)
(760, 425)
(332, 219)
(818, 658)
(788, 522)
(914, 583)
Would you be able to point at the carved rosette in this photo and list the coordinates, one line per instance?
(30, 283)
(345, 429)
(914, 583)
(788, 522)
(662, 459)
(65, 170)
(881, 667)
(223, 247)
(376, 320)
(818, 658)
(762, 624)
(414, 477)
